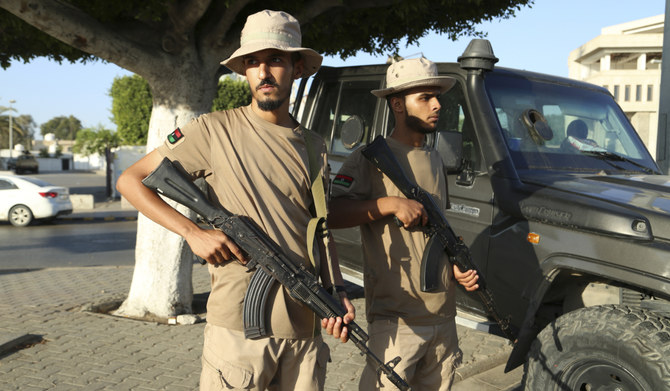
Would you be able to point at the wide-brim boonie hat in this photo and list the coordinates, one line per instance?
(414, 72)
(272, 30)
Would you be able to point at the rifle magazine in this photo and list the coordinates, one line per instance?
(254, 304)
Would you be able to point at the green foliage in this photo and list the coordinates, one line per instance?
(22, 128)
(44, 152)
(22, 42)
(131, 108)
(231, 94)
(95, 140)
(375, 26)
(379, 27)
(64, 128)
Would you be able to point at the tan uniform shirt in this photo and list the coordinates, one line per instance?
(260, 170)
(393, 254)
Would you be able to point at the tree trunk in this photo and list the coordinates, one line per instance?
(162, 285)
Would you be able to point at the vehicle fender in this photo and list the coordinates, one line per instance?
(551, 267)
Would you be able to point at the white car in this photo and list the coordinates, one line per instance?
(24, 199)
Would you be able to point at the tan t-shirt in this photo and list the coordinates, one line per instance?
(392, 265)
(260, 170)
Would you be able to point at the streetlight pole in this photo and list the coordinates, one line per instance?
(11, 133)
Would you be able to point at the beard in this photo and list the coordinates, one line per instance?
(269, 104)
(416, 124)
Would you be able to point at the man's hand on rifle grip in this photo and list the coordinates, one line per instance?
(409, 212)
(214, 246)
(336, 326)
(467, 279)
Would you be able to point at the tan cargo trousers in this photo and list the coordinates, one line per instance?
(430, 355)
(231, 362)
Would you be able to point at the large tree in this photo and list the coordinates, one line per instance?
(64, 128)
(176, 45)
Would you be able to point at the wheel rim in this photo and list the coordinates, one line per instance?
(601, 375)
(20, 216)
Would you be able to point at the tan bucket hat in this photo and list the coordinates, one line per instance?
(414, 72)
(272, 30)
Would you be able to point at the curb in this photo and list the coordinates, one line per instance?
(95, 218)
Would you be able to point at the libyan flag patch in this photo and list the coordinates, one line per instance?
(175, 136)
(343, 180)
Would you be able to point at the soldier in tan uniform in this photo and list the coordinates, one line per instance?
(255, 160)
(403, 321)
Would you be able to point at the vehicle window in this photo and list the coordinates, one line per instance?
(574, 128)
(325, 114)
(454, 117)
(7, 185)
(342, 101)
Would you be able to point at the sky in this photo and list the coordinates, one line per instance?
(539, 38)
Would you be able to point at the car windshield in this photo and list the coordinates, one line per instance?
(551, 126)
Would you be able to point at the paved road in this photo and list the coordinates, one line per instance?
(68, 242)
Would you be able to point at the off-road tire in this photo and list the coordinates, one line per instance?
(20, 215)
(602, 347)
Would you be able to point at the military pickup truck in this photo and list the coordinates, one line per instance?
(564, 210)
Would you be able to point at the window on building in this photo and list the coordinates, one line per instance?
(626, 93)
(650, 92)
(616, 93)
(638, 93)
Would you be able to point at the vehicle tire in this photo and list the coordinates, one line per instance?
(20, 215)
(602, 347)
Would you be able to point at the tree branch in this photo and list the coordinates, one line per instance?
(184, 15)
(217, 35)
(316, 8)
(222, 21)
(78, 29)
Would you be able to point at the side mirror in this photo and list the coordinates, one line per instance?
(450, 146)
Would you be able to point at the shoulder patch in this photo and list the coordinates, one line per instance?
(343, 180)
(175, 136)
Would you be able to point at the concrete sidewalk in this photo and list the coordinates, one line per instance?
(51, 338)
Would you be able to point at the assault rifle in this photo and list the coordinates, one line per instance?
(269, 262)
(442, 237)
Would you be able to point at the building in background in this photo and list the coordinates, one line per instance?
(626, 59)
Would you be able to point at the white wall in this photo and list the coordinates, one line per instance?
(124, 157)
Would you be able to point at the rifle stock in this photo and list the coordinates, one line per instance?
(269, 262)
(442, 237)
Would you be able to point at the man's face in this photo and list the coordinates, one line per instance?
(270, 74)
(422, 109)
